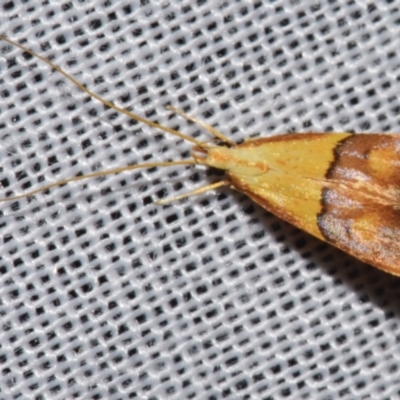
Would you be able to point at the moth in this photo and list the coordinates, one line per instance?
(342, 188)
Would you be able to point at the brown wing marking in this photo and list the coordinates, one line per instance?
(361, 207)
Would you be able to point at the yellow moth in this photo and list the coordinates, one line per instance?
(339, 187)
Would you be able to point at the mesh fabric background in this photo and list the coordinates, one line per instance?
(105, 295)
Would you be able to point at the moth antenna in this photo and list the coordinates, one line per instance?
(101, 99)
(102, 173)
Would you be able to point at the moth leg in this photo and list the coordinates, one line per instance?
(207, 127)
(200, 190)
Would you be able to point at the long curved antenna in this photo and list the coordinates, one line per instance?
(102, 173)
(102, 100)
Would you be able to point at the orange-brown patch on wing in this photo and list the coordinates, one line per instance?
(361, 203)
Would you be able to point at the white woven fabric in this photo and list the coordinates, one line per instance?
(105, 295)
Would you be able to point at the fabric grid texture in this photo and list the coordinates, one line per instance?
(106, 295)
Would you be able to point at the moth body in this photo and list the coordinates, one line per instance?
(340, 187)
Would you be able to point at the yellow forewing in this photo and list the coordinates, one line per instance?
(341, 188)
(285, 174)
